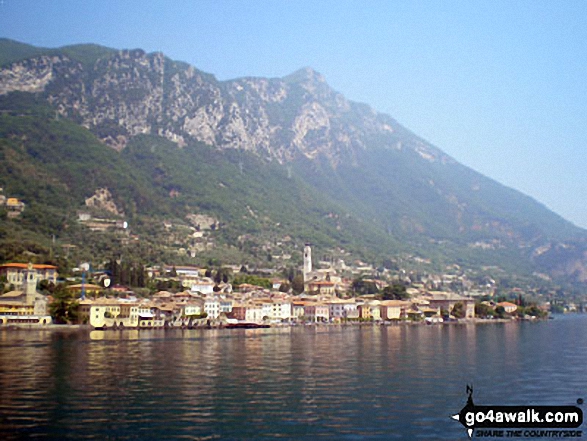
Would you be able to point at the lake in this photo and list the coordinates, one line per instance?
(299, 383)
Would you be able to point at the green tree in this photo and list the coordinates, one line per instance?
(64, 307)
(46, 287)
(500, 312)
(395, 292)
(124, 278)
(361, 287)
(167, 285)
(458, 310)
(297, 284)
(223, 275)
(532, 310)
(141, 276)
(290, 273)
(134, 280)
(483, 310)
(114, 269)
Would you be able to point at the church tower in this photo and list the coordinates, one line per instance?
(307, 261)
(30, 284)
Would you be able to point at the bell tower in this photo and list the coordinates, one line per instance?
(307, 261)
(30, 284)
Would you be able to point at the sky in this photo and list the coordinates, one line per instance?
(499, 85)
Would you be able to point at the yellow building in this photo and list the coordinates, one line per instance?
(14, 207)
(370, 310)
(321, 287)
(87, 287)
(103, 312)
(112, 313)
(26, 305)
(15, 272)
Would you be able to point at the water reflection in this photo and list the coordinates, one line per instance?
(295, 383)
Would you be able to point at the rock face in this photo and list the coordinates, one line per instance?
(131, 92)
(102, 200)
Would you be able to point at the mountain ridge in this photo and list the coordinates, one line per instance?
(322, 107)
(367, 164)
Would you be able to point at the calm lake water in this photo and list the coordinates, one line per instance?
(302, 383)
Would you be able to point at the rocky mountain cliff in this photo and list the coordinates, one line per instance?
(130, 92)
(365, 166)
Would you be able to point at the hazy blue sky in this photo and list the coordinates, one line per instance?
(499, 85)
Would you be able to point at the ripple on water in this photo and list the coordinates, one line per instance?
(356, 383)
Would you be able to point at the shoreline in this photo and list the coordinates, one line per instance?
(89, 328)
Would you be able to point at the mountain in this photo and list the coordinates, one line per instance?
(268, 159)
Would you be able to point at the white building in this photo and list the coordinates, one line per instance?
(204, 286)
(212, 308)
(225, 305)
(254, 314)
(277, 310)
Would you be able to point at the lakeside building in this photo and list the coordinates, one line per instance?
(339, 309)
(250, 312)
(317, 312)
(186, 308)
(370, 310)
(446, 301)
(508, 307)
(297, 309)
(95, 312)
(26, 305)
(206, 303)
(114, 313)
(212, 307)
(394, 309)
(275, 310)
(310, 310)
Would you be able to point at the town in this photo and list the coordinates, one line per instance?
(198, 297)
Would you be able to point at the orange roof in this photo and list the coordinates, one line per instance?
(394, 303)
(303, 303)
(25, 266)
